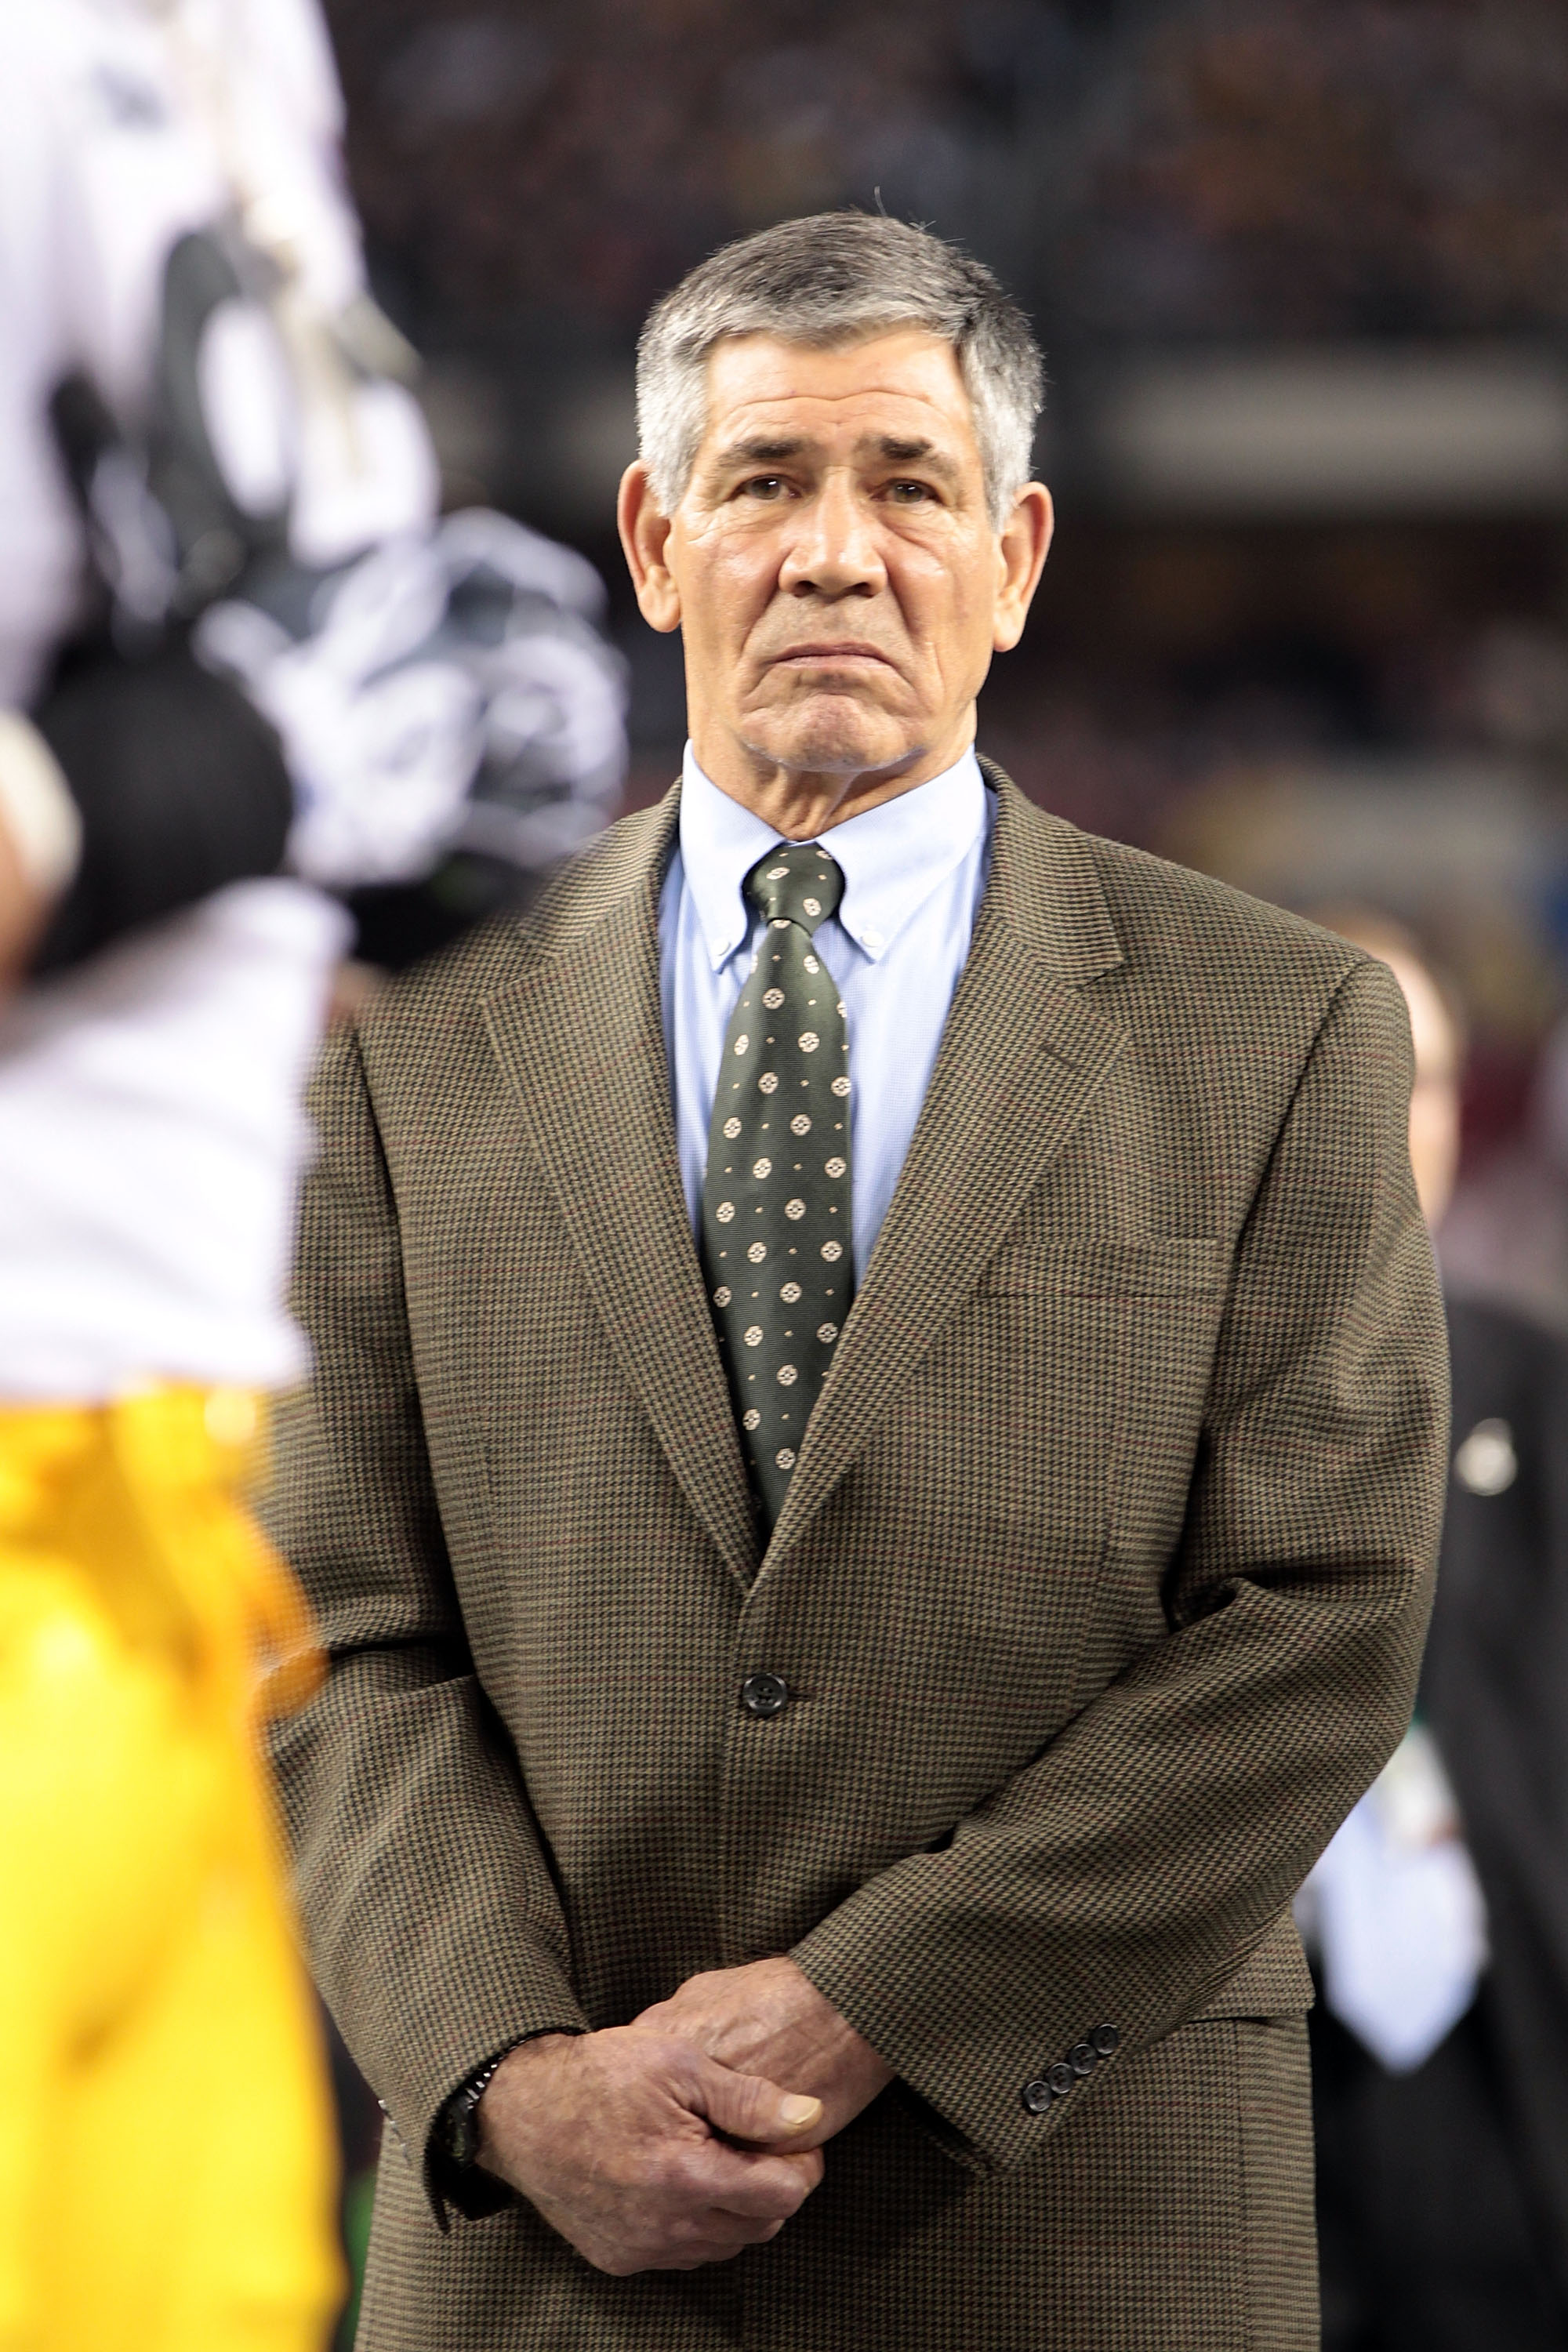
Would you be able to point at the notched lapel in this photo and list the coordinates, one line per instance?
(1023, 1056)
(580, 1037)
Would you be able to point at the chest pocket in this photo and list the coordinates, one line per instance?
(1109, 1270)
(1116, 1340)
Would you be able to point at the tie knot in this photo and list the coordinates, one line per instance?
(796, 883)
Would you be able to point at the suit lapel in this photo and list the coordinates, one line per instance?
(1022, 1056)
(580, 1037)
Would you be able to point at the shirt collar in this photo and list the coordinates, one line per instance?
(892, 857)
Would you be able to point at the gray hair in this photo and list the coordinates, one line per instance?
(828, 280)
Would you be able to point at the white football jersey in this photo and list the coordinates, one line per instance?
(151, 1134)
(131, 123)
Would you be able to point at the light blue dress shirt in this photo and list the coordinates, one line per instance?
(914, 871)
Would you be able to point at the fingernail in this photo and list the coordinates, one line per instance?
(795, 2111)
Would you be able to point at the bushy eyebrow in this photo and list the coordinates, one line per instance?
(913, 452)
(763, 450)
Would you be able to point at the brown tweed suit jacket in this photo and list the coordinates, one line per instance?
(1100, 1594)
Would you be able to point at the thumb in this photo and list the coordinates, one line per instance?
(748, 2107)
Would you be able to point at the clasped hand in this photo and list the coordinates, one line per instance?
(687, 2135)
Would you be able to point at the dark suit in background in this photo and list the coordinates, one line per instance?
(1442, 2194)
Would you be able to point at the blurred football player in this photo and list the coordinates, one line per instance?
(248, 676)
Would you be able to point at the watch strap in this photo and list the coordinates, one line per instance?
(458, 2127)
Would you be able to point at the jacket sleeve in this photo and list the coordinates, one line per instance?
(432, 1919)
(1133, 1865)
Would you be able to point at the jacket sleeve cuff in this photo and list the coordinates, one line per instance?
(467, 2190)
(993, 2096)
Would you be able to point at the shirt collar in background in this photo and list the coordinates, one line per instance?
(892, 857)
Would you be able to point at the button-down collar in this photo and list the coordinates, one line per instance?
(892, 857)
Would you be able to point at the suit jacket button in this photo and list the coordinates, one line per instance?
(1083, 2058)
(1105, 2039)
(1037, 2097)
(764, 1694)
(1061, 2079)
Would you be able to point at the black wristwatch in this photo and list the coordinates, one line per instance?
(458, 2127)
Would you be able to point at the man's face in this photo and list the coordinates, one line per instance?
(832, 566)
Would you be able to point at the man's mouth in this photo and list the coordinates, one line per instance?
(847, 649)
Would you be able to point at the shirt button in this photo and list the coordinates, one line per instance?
(764, 1694)
(1061, 2079)
(1105, 2039)
(1036, 2097)
(1082, 2058)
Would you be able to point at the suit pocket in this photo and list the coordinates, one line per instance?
(1274, 1979)
(1110, 1341)
(1178, 1269)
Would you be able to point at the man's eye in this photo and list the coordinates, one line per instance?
(908, 494)
(764, 485)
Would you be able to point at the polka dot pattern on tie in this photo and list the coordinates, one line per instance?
(776, 1202)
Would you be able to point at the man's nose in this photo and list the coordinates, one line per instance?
(835, 550)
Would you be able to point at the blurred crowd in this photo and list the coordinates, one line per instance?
(1363, 715)
(1276, 167)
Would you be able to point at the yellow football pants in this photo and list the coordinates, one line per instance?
(167, 2178)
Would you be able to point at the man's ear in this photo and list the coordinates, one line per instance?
(645, 534)
(1023, 546)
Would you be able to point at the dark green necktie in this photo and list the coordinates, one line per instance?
(777, 1221)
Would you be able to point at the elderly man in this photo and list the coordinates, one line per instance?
(874, 1465)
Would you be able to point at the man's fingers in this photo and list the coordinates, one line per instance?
(719, 2234)
(669, 2159)
(751, 2187)
(713, 2234)
(748, 2107)
(807, 2166)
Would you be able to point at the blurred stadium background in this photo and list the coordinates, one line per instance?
(1300, 267)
